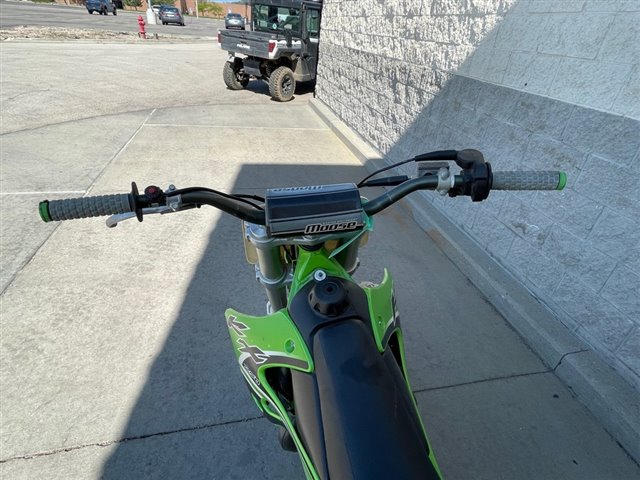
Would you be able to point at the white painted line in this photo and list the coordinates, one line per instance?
(61, 192)
(231, 127)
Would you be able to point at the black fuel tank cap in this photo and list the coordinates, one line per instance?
(328, 297)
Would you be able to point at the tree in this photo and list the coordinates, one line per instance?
(213, 9)
(133, 3)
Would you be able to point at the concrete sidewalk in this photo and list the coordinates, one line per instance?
(116, 362)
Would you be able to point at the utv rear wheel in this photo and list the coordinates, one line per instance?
(232, 78)
(282, 84)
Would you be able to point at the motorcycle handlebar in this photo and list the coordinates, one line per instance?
(226, 204)
(104, 205)
(388, 198)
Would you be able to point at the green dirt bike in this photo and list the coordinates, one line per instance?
(327, 363)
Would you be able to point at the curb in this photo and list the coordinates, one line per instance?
(613, 401)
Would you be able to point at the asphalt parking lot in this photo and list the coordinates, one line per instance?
(116, 362)
(15, 13)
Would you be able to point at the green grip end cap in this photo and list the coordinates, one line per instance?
(43, 208)
(562, 181)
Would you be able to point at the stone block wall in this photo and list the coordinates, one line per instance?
(533, 84)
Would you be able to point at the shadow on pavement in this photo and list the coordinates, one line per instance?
(194, 417)
(262, 88)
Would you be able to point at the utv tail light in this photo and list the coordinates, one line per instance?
(272, 46)
(219, 37)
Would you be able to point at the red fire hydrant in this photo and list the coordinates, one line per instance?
(141, 32)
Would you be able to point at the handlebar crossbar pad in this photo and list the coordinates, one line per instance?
(75, 208)
(541, 180)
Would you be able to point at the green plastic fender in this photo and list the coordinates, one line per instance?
(270, 341)
(382, 308)
(385, 322)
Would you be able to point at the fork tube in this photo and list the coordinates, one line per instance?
(270, 270)
(272, 275)
(348, 257)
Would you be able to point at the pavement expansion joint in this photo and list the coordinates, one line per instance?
(484, 380)
(566, 355)
(28, 456)
(74, 120)
(120, 150)
(40, 90)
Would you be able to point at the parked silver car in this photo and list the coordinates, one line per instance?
(234, 20)
(171, 15)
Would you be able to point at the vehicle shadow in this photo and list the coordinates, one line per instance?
(258, 87)
(261, 87)
(194, 417)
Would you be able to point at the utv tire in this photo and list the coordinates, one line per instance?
(231, 78)
(282, 84)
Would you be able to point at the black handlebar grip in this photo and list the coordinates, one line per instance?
(75, 208)
(541, 180)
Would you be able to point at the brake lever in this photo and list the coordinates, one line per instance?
(113, 220)
(174, 204)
